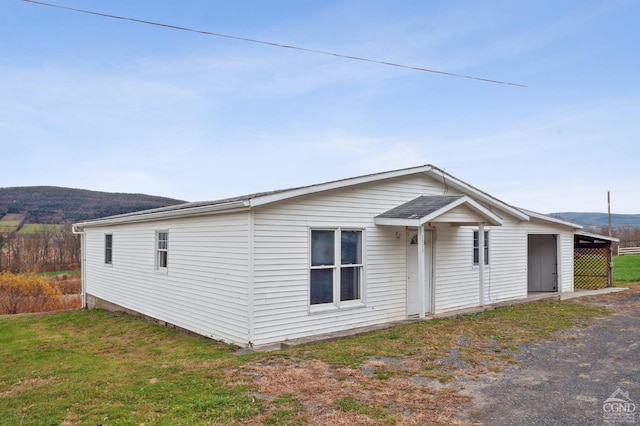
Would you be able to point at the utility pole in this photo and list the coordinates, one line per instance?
(609, 209)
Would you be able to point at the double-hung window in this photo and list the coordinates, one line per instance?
(162, 249)
(108, 249)
(336, 266)
(476, 246)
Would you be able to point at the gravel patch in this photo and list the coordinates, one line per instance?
(567, 380)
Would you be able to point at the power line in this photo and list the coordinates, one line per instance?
(269, 43)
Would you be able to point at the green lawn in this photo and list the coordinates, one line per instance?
(9, 225)
(95, 367)
(626, 268)
(32, 228)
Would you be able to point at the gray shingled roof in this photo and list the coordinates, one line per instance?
(420, 207)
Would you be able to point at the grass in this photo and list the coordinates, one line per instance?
(95, 367)
(433, 340)
(626, 268)
(33, 228)
(9, 225)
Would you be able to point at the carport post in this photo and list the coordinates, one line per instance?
(421, 270)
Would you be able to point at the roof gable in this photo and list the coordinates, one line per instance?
(246, 202)
(425, 209)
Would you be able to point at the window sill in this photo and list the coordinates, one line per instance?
(330, 307)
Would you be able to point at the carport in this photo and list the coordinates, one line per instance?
(592, 261)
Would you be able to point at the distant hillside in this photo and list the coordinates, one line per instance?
(600, 219)
(51, 204)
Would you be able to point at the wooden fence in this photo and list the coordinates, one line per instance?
(628, 250)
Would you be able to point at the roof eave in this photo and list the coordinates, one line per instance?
(551, 219)
(597, 236)
(149, 216)
(487, 214)
(296, 192)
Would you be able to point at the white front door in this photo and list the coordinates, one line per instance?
(415, 303)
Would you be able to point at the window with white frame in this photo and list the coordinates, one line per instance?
(108, 249)
(476, 246)
(162, 249)
(336, 266)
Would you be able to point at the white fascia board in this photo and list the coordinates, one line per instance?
(168, 214)
(442, 176)
(271, 198)
(397, 222)
(551, 219)
(487, 214)
(598, 236)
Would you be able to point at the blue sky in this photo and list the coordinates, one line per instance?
(112, 105)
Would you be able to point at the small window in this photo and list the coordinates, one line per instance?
(108, 249)
(162, 249)
(476, 244)
(336, 266)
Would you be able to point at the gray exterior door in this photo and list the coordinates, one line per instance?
(542, 268)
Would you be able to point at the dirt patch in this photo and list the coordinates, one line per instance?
(344, 396)
(562, 380)
(26, 384)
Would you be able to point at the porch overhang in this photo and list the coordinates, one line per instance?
(458, 210)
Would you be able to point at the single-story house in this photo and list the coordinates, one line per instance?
(264, 268)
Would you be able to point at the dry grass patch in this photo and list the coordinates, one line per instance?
(23, 385)
(409, 374)
(343, 395)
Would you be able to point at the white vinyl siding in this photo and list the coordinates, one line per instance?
(282, 258)
(205, 287)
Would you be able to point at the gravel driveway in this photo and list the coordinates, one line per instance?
(567, 381)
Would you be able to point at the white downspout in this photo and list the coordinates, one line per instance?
(251, 279)
(83, 263)
(481, 261)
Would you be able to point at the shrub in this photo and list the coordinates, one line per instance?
(67, 284)
(26, 293)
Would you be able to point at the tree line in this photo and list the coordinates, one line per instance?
(628, 235)
(50, 248)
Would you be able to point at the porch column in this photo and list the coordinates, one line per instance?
(421, 270)
(481, 260)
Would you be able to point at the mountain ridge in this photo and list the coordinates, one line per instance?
(600, 219)
(55, 204)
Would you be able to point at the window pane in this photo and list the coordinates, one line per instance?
(163, 239)
(350, 283)
(351, 243)
(322, 245)
(162, 259)
(476, 243)
(108, 244)
(321, 286)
